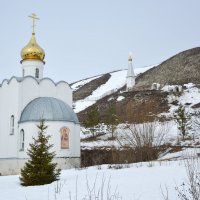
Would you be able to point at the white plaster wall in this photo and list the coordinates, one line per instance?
(130, 82)
(64, 92)
(13, 166)
(31, 130)
(9, 99)
(29, 67)
(31, 89)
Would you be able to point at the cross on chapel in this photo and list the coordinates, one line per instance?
(33, 16)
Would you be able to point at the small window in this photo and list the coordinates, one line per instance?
(23, 72)
(12, 125)
(21, 148)
(36, 73)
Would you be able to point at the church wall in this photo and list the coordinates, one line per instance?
(9, 99)
(54, 129)
(29, 68)
(27, 92)
(64, 92)
(13, 166)
(30, 89)
(130, 82)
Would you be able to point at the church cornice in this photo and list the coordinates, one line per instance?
(38, 81)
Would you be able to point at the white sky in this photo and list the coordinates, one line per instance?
(86, 38)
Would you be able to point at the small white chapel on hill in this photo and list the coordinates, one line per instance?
(24, 101)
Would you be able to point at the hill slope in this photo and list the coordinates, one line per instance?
(88, 91)
(179, 69)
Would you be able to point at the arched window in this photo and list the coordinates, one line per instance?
(12, 125)
(21, 147)
(36, 73)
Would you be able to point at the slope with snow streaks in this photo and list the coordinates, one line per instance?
(77, 85)
(115, 82)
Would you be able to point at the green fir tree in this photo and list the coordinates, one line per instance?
(111, 119)
(182, 119)
(92, 119)
(40, 169)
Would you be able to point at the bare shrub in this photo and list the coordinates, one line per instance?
(165, 193)
(58, 185)
(144, 139)
(94, 192)
(190, 190)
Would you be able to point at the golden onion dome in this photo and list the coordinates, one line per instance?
(32, 51)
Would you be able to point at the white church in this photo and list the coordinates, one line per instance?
(24, 101)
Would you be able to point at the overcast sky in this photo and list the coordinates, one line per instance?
(83, 38)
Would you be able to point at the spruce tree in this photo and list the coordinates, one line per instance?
(39, 169)
(92, 119)
(111, 119)
(182, 119)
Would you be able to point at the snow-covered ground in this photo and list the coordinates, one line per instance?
(116, 81)
(189, 97)
(141, 181)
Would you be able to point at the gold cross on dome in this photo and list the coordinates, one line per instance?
(33, 16)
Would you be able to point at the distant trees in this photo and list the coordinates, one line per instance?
(39, 169)
(92, 119)
(111, 119)
(182, 118)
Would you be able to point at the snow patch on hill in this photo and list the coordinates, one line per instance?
(79, 84)
(189, 97)
(116, 81)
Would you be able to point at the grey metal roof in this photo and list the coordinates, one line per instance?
(48, 108)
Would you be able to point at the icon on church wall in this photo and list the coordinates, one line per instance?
(64, 138)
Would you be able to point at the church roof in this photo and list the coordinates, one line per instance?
(48, 108)
(32, 51)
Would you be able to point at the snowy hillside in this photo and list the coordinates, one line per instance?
(139, 181)
(116, 81)
(189, 97)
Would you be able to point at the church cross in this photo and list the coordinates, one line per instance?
(33, 16)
